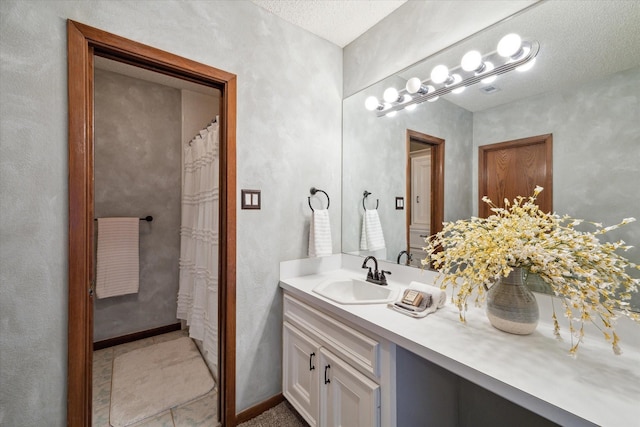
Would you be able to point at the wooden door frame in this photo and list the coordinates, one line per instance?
(546, 140)
(83, 42)
(437, 181)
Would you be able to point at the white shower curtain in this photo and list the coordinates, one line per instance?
(198, 293)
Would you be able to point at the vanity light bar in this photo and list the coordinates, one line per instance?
(528, 51)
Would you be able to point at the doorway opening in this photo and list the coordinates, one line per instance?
(425, 191)
(84, 44)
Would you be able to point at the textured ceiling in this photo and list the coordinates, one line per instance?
(338, 21)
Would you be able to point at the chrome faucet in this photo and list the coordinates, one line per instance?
(375, 276)
(409, 257)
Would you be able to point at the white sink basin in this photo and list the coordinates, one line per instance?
(355, 291)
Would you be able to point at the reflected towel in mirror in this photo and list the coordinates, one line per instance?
(371, 238)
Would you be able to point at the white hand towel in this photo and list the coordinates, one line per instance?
(118, 259)
(438, 298)
(320, 234)
(371, 238)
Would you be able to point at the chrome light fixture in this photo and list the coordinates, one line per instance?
(512, 53)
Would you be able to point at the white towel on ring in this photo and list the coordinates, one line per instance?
(118, 258)
(371, 238)
(320, 234)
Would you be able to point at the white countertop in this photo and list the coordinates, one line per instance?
(533, 371)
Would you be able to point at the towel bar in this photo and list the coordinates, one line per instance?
(147, 218)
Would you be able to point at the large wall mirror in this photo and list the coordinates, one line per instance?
(584, 90)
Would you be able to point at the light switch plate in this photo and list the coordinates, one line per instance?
(250, 199)
(399, 203)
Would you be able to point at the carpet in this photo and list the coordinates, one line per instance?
(153, 379)
(282, 415)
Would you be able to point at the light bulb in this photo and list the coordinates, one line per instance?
(509, 45)
(413, 85)
(390, 95)
(527, 66)
(371, 103)
(457, 79)
(472, 61)
(439, 74)
(488, 66)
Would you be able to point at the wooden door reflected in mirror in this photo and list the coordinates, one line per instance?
(514, 168)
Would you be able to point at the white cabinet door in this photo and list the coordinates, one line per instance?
(300, 373)
(347, 398)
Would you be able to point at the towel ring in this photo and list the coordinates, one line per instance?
(315, 190)
(366, 194)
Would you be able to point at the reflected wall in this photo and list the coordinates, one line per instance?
(375, 159)
(596, 149)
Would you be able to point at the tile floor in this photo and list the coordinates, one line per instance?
(198, 413)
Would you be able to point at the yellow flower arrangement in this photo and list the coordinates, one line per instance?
(587, 274)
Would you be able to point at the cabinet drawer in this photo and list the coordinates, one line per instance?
(354, 347)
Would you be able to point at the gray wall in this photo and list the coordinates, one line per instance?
(137, 173)
(596, 149)
(414, 31)
(289, 139)
(375, 159)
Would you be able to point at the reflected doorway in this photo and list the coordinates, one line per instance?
(425, 191)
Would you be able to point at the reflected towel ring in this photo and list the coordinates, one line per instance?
(366, 194)
(315, 190)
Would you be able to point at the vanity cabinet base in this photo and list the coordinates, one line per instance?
(334, 375)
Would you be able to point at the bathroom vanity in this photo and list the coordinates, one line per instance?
(366, 362)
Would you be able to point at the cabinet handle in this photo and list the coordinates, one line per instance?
(311, 366)
(417, 199)
(326, 380)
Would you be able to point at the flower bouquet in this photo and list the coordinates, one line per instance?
(588, 275)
